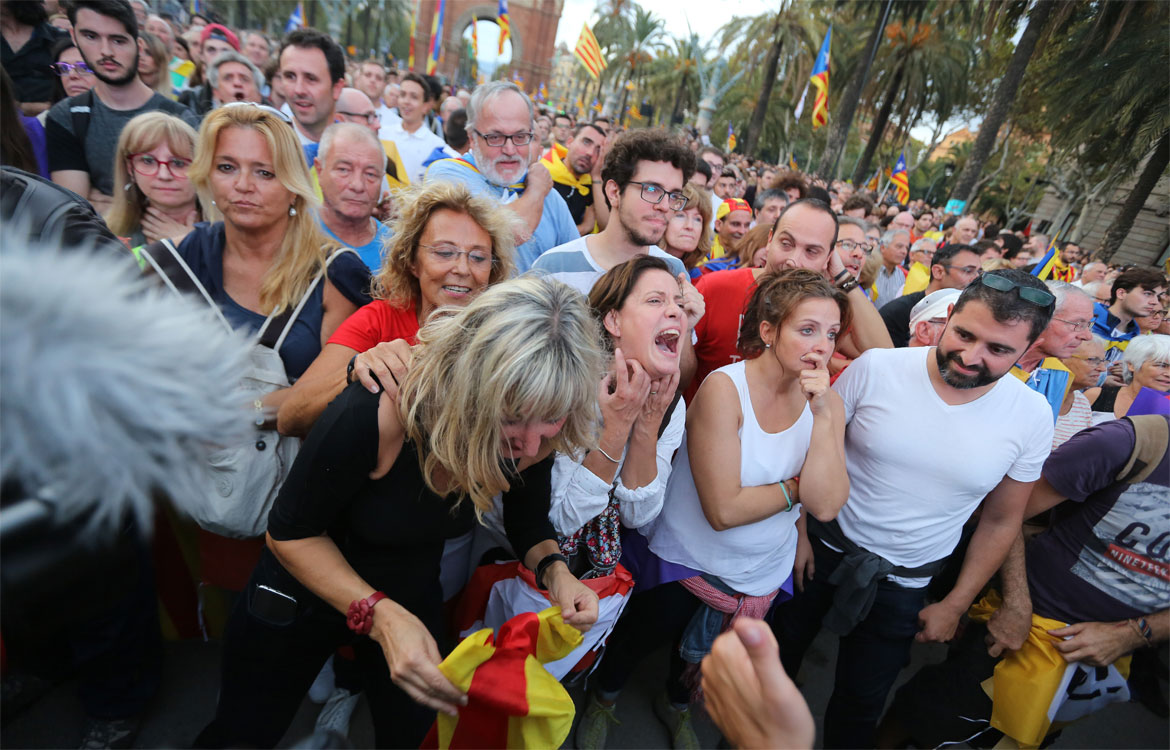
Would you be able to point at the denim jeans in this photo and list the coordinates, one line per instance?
(868, 659)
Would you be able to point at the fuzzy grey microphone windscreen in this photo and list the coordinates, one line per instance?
(111, 386)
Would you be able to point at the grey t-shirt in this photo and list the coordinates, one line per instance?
(96, 155)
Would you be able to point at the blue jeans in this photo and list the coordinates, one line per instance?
(868, 659)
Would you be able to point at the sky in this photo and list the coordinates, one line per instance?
(705, 16)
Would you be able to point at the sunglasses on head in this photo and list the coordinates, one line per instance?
(1038, 297)
(270, 110)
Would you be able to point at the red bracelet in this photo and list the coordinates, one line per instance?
(360, 617)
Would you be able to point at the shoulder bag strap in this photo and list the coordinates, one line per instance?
(276, 328)
(174, 271)
(1151, 439)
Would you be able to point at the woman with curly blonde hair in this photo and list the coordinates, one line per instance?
(356, 536)
(448, 246)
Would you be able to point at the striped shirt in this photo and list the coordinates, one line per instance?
(573, 264)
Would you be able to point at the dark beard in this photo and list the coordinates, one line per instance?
(131, 73)
(957, 379)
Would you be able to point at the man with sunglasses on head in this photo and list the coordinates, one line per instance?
(501, 128)
(953, 266)
(987, 435)
(82, 132)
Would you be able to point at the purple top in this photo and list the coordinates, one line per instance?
(36, 134)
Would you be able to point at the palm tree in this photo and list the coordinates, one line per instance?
(645, 39)
(672, 78)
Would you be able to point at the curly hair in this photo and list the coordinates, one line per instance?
(396, 282)
(634, 146)
(776, 297)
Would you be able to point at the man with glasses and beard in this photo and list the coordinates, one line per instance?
(501, 127)
(987, 436)
(82, 131)
(951, 267)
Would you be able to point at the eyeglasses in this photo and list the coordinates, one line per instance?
(965, 270)
(1038, 297)
(850, 245)
(147, 165)
(495, 140)
(372, 118)
(1093, 361)
(63, 69)
(448, 255)
(269, 110)
(653, 194)
(1080, 325)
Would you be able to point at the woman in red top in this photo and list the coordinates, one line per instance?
(448, 246)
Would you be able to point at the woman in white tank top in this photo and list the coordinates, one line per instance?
(763, 435)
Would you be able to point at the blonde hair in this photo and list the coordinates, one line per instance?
(696, 198)
(396, 282)
(527, 349)
(158, 51)
(752, 240)
(304, 249)
(144, 132)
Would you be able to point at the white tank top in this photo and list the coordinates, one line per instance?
(753, 559)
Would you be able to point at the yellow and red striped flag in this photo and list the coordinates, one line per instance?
(474, 37)
(588, 51)
(413, 26)
(513, 701)
(505, 24)
(436, 49)
(820, 79)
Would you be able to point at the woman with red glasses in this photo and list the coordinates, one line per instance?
(153, 198)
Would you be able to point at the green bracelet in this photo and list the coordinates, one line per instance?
(786, 497)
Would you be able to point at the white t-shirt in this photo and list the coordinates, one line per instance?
(573, 264)
(918, 467)
(414, 148)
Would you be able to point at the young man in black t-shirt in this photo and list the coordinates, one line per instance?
(82, 131)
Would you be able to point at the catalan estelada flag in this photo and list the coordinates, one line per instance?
(820, 79)
(730, 138)
(596, 105)
(873, 181)
(901, 180)
(513, 701)
(588, 51)
(413, 27)
(296, 19)
(792, 162)
(436, 49)
(505, 24)
(1048, 263)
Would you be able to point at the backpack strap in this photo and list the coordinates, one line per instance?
(80, 113)
(1151, 439)
(174, 271)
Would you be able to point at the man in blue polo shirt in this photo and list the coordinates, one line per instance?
(1040, 367)
(350, 166)
(500, 126)
(1135, 294)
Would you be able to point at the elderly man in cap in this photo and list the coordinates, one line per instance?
(929, 317)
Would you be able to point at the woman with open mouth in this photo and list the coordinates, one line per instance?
(725, 543)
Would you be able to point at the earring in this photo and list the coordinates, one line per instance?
(213, 202)
(128, 186)
(767, 346)
(292, 211)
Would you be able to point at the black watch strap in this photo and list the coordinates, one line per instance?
(544, 564)
(349, 370)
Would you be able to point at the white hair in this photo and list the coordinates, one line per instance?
(493, 90)
(1092, 287)
(1152, 347)
(1063, 290)
(113, 386)
(351, 129)
(920, 243)
(235, 57)
(889, 235)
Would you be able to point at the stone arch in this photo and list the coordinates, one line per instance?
(484, 12)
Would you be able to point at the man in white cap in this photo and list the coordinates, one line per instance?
(929, 316)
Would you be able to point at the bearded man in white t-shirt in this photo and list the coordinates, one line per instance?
(932, 433)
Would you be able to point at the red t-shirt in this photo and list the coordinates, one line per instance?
(725, 293)
(377, 322)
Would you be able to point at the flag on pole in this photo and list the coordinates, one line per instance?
(730, 139)
(1048, 263)
(800, 104)
(474, 37)
(588, 51)
(436, 49)
(873, 181)
(596, 105)
(792, 162)
(901, 180)
(296, 19)
(413, 26)
(820, 79)
(542, 92)
(505, 24)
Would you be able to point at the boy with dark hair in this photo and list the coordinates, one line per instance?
(1135, 294)
(82, 131)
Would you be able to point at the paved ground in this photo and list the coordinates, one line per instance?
(187, 699)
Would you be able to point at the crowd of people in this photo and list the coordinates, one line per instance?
(683, 390)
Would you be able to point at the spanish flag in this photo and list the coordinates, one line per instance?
(436, 49)
(730, 139)
(588, 51)
(504, 23)
(513, 701)
(820, 79)
(901, 180)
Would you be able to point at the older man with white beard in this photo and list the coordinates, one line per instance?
(500, 125)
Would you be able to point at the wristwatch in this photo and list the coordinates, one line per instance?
(848, 285)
